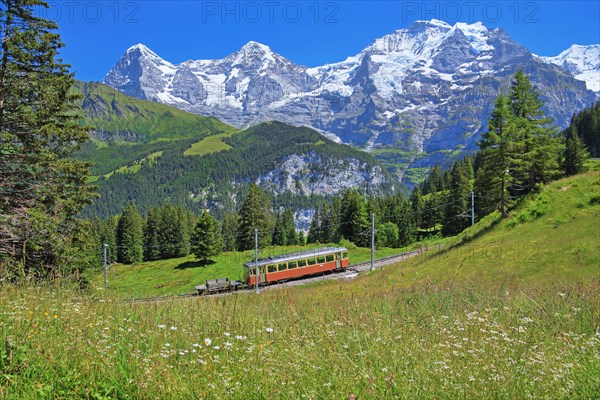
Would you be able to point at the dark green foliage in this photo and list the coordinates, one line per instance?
(107, 233)
(354, 223)
(587, 124)
(279, 232)
(387, 235)
(173, 232)
(41, 189)
(255, 214)
(459, 202)
(520, 150)
(575, 153)
(289, 226)
(206, 239)
(229, 232)
(130, 236)
(152, 235)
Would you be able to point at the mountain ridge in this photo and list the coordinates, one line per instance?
(425, 91)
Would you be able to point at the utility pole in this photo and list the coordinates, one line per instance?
(105, 247)
(372, 242)
(256, 259)
(472, 208)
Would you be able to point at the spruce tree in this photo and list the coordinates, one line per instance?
(279, 232)
(152, 235)
(229, 232)
(496, 158)
(206, 239)
(42, 189)
(289, 226)
(574, 153)
(314, 231)
(255, 213)
(458, 200)
(130, 236)
(354, 224)
(174, 235)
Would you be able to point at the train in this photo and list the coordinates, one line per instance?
(281, 268)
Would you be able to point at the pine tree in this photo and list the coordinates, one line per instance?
(289, 226)
(314, 231)
(301, 238)
(174, 235)
(207, 240)
(354, 224)
(536, 142)
(458, 200)
(42, 189)
(229, 232)
(279, 232)
(255, 214)
(574, 154)
(107, 234)
(152, 235)
(496, 159)
(130, 236)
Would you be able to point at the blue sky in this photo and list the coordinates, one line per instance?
(97, 33)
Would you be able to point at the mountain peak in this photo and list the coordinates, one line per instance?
(141, 48)
(255, 46)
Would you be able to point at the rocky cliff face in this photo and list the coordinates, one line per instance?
(426, 90)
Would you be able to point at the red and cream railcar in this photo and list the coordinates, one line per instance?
(295, 265)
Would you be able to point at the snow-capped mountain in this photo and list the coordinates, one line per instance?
(426, 90)
(583, 62)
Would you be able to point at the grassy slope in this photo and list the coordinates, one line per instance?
(438, 327)
(135, 128)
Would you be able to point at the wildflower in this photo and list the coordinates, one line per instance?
(55, 316)
(269, 330)
(238, 337)
(207, 341)
(196, 345)
(167, 344)
(217, 347)
(227, 334)
(162, 326)
(228, 344)
(173, 328)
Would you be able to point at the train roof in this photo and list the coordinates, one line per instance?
(295, 256)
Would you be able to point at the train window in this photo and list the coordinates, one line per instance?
(312, 261)
(282, 266)
(272, 268)
(302, 263)
(320, 259)
(292, 264)
(345, 255)
(329, 258)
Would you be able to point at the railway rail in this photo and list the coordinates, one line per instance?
(349, 273)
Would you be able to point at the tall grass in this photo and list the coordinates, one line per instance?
(356, 339)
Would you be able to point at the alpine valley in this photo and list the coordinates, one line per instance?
(413, 98)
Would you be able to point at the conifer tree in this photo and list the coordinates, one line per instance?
(206, 239)
(229, 232)
(574, 153)
(289, 226)
(41, 188)
(152, 235)
(497, 157)
(255, 213)
(174, 235)
(314, 231)
(130, 236)
(458, 200)
(279, 232)
(354, 224)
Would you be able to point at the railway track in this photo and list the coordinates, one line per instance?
(349, 273)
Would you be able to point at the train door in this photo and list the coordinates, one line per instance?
(338, 261)
(262, 277)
